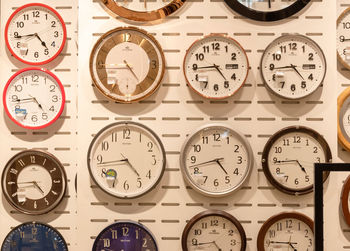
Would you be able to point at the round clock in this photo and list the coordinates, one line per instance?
(216, 66)
(268, 10)
(126, 159)
(345, 200)
(293, 66)
(34, 182)
(34, 98)
(126, 236)
(213, 230)
(127, 64)
(34, 236)
(343, 38)
(145, 10)
(287, 231)
(216, 160)
(344, 119)
(288, 159)
(35, 34)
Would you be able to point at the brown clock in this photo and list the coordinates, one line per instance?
(286, 231)
(213, 230)
(34, 182)
(345, 200)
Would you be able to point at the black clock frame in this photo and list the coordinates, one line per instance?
(265, 15)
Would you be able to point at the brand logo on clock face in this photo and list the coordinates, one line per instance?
(127, 48)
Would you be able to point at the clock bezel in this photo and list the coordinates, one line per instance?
(345, 200)
(58, 17)
(59, 84)
(209, 213)
(341, 16)
(343, 138)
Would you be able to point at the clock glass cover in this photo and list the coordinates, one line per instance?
(126, 236)
(126, 159)
(34, 236)
(287, 231)
(267, 10)
(288, 159)
(343, 38)
(34, 98)
(127, 64)
(215, 160)
(213, 230)
(35, 34)
(34, 182)
(216, 66)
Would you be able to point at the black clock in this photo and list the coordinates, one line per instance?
(268, 10)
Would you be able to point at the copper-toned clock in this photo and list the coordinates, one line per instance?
(345, 200)
(34, 182)
(127, 64)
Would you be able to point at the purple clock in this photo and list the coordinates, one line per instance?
(125, 236)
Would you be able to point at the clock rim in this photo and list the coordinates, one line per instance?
(63, 40)
(340, 59)
(345, 200)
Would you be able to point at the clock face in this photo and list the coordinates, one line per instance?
(287, 231)
(293, 66)
(34, 236)
(215, 160)
(35, 34)
(289, 156)
(345, 200)
(127, 64)
(268, 10)
(213, 230)
(145, 10)
(216, 66)
(126, 236)
(34, 98)
(126, 159)
(344, 119)
(34, 182)
(343, 38)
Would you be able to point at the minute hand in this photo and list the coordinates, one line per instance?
(207, 162)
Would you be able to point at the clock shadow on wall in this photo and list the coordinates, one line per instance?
(126, 206)
(342, 70)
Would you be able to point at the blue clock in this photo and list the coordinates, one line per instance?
(125, 236)
(34, 236)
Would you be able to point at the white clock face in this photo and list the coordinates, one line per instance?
(343, 38)
(267, 5)
(214, 232)
(289, 157)
(216, 160)
(34, 98)
(216, 66)
(288, 234)
(35, 34)
(293, 66)
(126, 159)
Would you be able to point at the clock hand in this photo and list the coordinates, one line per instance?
(28, 35)
(36, 101)
(292, 160)
(24, 99)
(283, 242)
(203, 243)
(207, 162)
(112, 162)
(42, 42)
(37, 186)
(218, 69)
(284, 67)
(269, 4)
(132, 167)
(27, 182)
(217, 161)
(219, 249)
(295, 69)
(207, 67)
(133, 73)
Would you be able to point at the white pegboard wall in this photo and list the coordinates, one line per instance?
(174, 111)
(58, 139)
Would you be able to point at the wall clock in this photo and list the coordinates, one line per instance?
(216, 66)
(287, 231)
(126, 159)
(216, 160)
(345, 200)
(126, 236)
(34, 236)
(34, 182)
(343, 38)
(213, 230)
(288, 159)
(144, 10)
(344, 119)
(293, 66)
(269, 10)
(34, 98)
(127, 64)
(35, 34)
